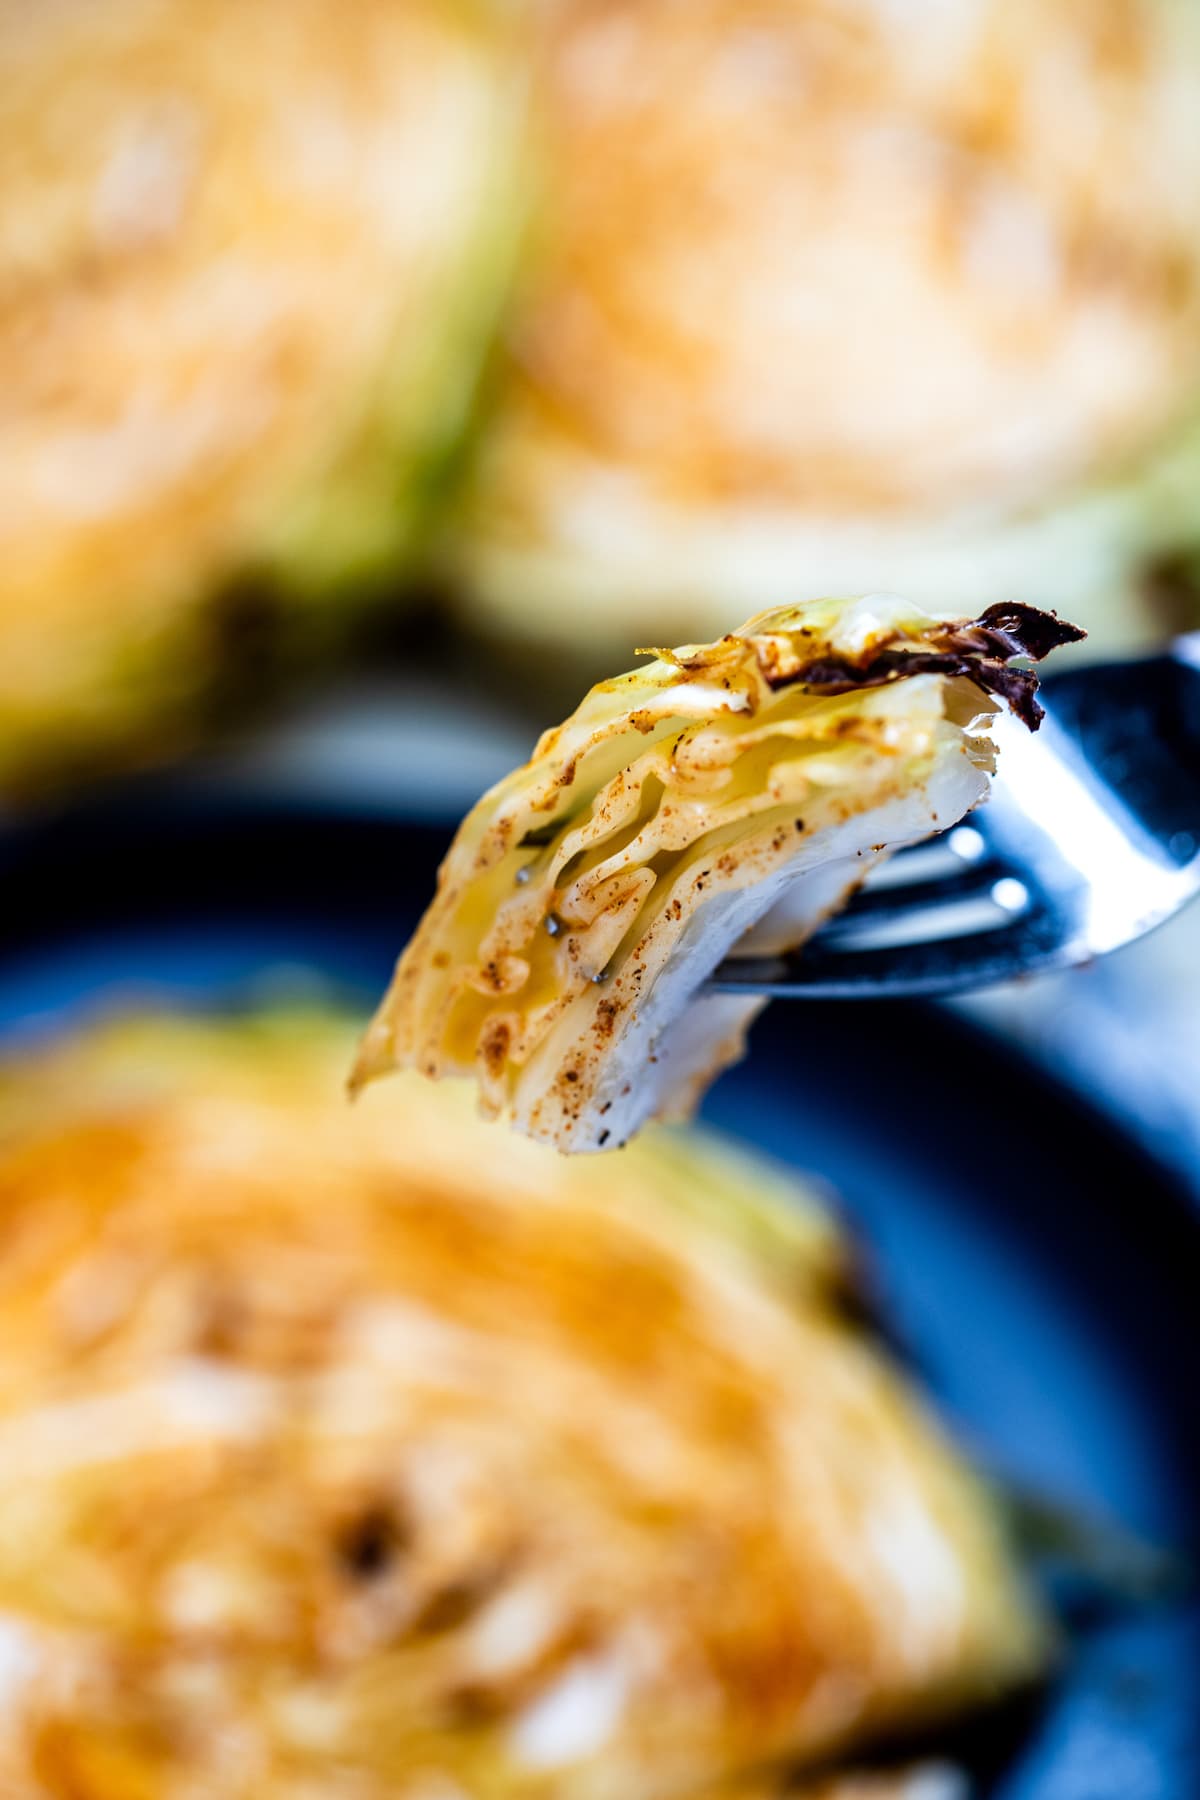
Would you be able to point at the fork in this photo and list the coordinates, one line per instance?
(1090, 839)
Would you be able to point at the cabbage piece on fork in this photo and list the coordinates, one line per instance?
(733, 793)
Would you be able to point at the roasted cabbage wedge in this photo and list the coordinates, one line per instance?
(729, 793)
(824, 291)
(250, 261)
(362, 1452)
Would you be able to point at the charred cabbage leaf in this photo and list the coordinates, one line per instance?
(744, 786)
(364, 1451)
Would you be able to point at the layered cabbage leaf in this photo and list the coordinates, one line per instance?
(728, 794)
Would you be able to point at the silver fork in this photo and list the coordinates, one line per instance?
(1090, 839)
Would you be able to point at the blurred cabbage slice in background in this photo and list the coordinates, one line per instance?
(852, 295)
(250, 258)
(366, 1452)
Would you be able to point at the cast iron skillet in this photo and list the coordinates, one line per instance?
(1036, 1266)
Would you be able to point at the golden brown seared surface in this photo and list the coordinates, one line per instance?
(247, 258)
(365, 1453)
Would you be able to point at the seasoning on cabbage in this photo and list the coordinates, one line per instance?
(744, 786)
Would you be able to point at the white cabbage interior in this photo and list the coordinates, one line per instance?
(678, 1035)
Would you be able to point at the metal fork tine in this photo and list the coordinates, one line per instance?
(935, 966)
(969, 881)
(1094, 826)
